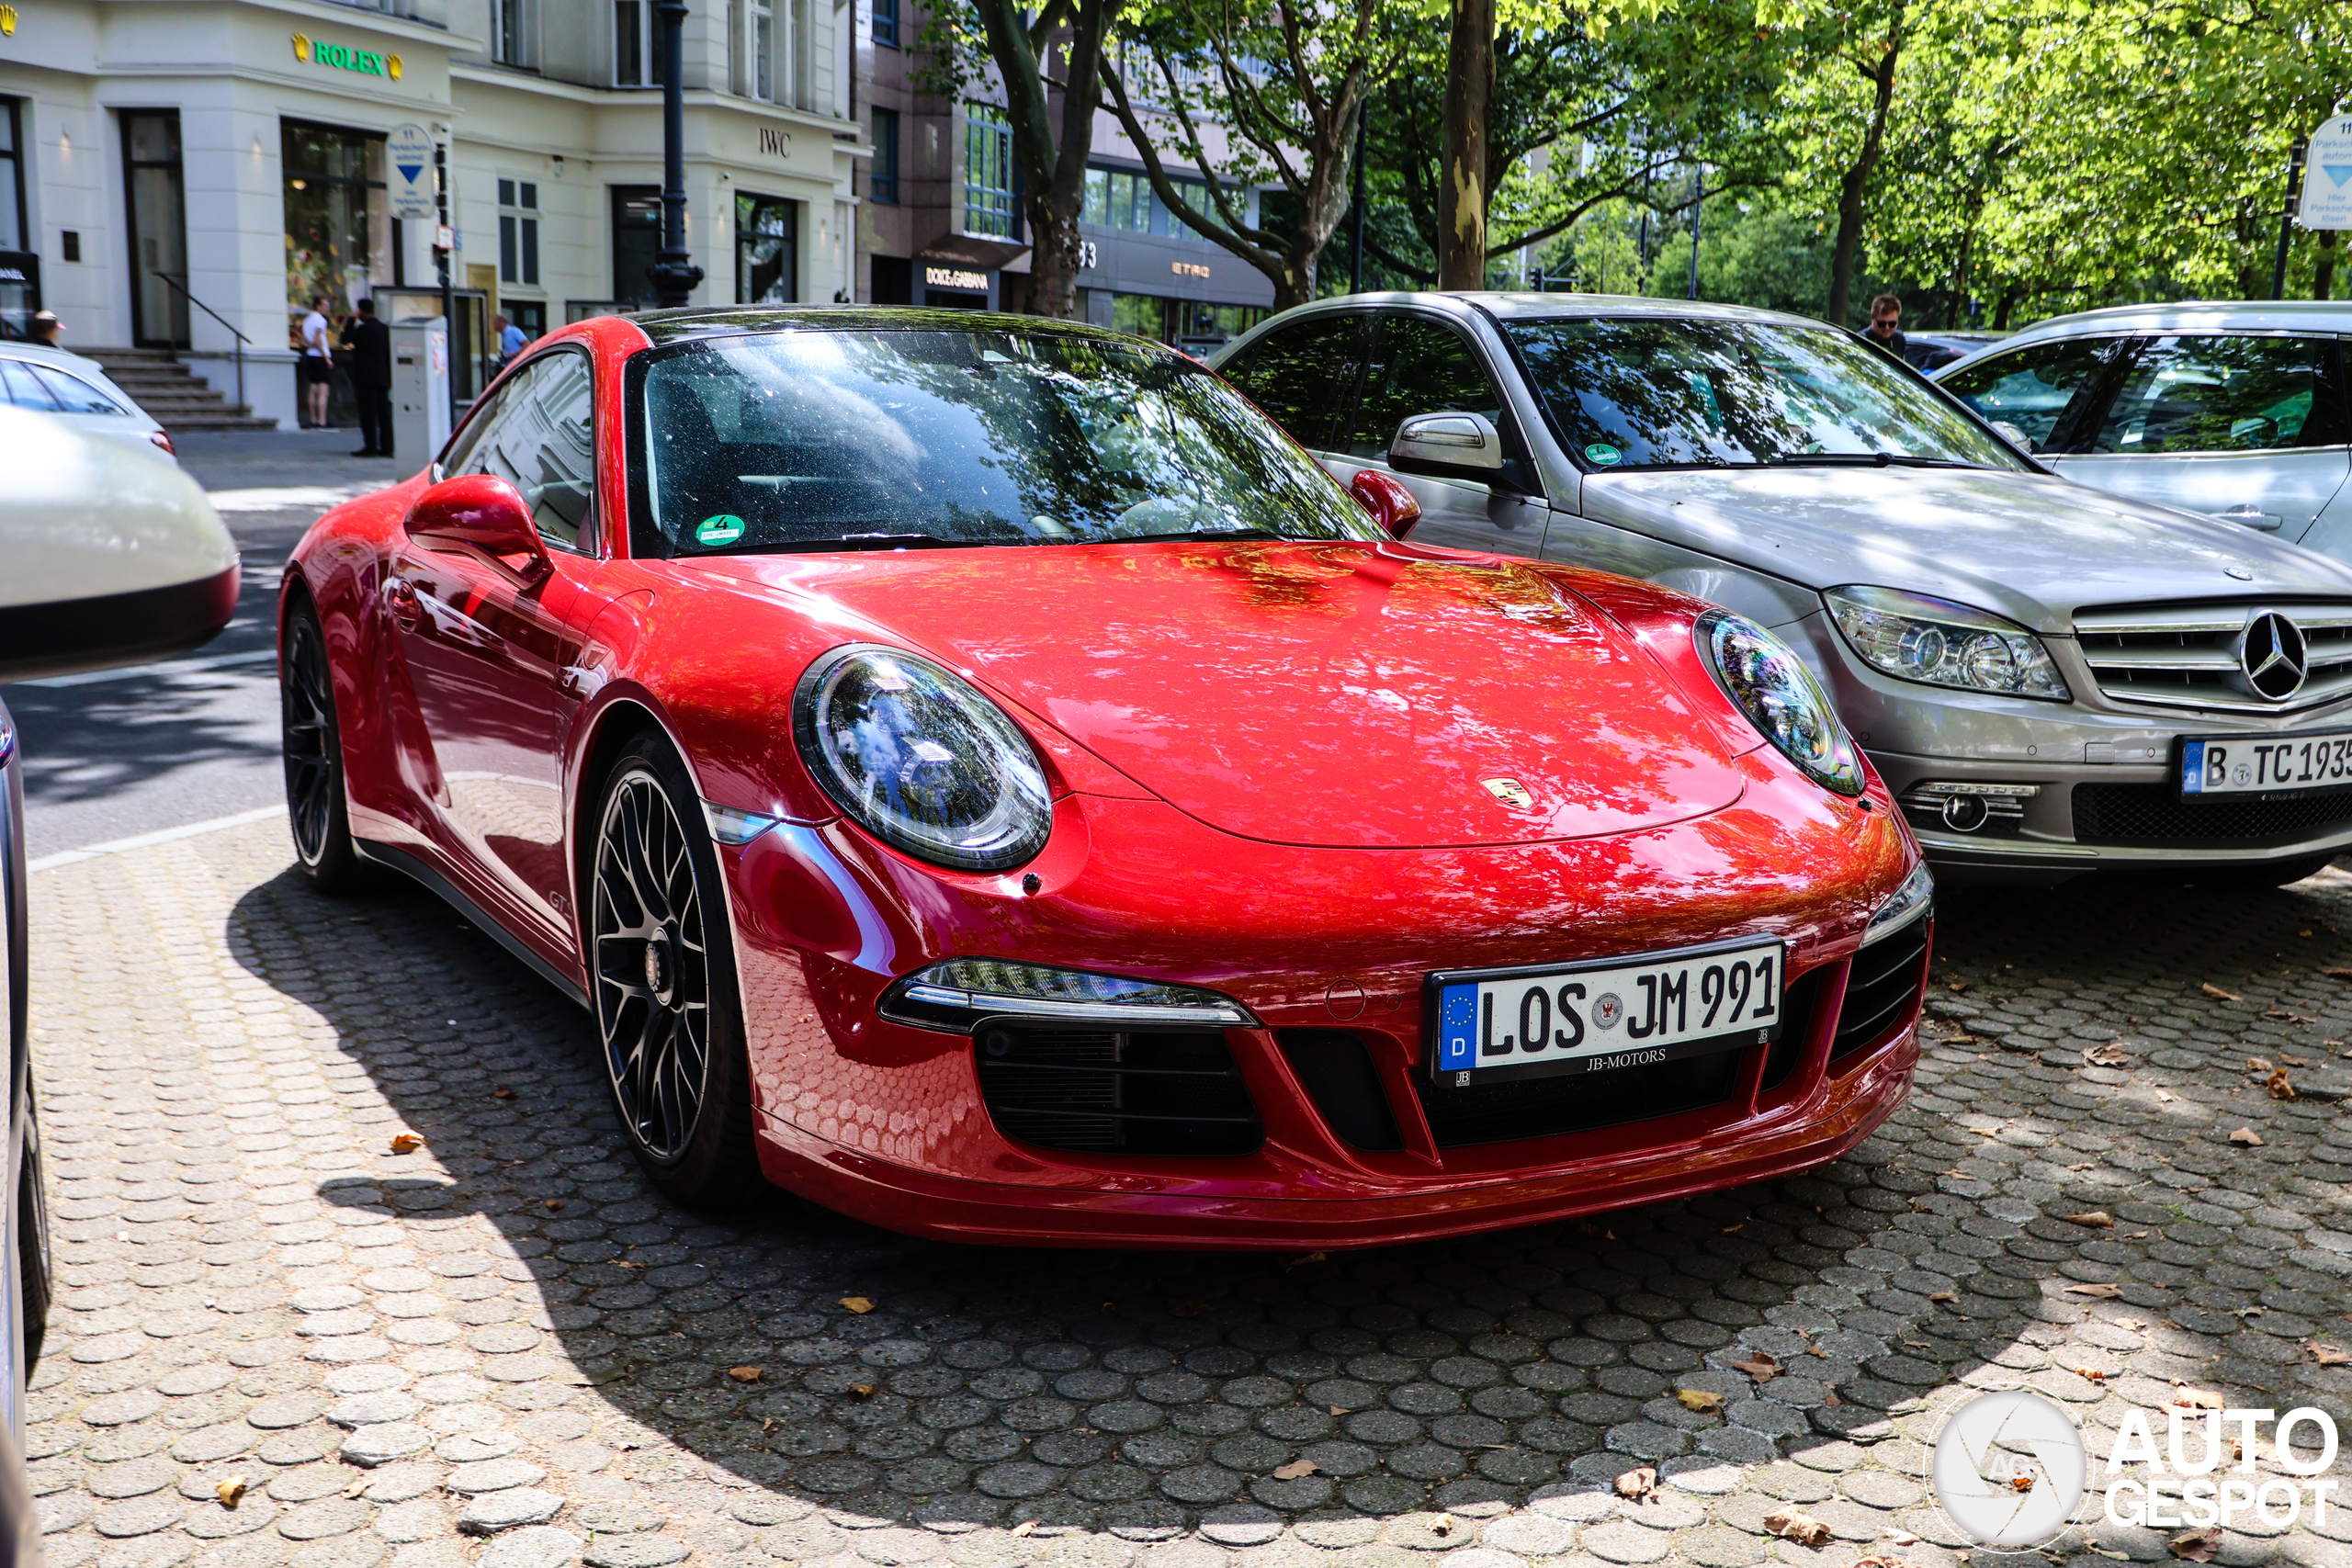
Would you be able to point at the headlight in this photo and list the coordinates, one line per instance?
(1904, 905)
(921, 760)
(1938, 643)
(1780, 698)
(958, 992)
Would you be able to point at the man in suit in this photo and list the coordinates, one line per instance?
(369, 344)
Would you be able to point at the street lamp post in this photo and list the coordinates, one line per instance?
(673, 273)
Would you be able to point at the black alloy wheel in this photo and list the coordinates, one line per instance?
(663, 973)
(312, 744)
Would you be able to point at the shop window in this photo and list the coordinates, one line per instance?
(894, 280)
(158, 229)
(990, 200)
(767, 252)
(338, 222)
(12, 182)
(518, 232)
(637, 244)
(883, 185)
(638, 58)
(886, 22)
(515, 33)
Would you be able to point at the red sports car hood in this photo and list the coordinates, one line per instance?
(1306, 693)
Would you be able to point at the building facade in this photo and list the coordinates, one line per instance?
(190, 174)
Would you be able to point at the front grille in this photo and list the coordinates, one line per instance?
(2154, 817)
(2186, 655)
(1336, 1069)
(1883, 987)
(1144, 1092)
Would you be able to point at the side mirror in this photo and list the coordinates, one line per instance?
(2013, 435)
(1391, 504)
(112, 554)
(480, 514)
(1448, 445)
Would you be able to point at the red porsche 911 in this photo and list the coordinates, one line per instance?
(983, 777)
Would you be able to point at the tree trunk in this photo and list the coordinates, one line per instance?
(2323, 271)
(1053, 170)
(2009, 297)
(1855, 185)
(1469, 103)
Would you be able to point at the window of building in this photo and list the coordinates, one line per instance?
(515, 33)
(12, 182)
(883, 186)
(518, 232)
(637, 243)
(338, 223)
(991, 205)
(1119, 199)
(886, 22)
(752, 24)
(638, 58)
(767, 250)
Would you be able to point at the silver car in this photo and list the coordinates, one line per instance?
(2053, 680)
(2236, 410)
(52, 381)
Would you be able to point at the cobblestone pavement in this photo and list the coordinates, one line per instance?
(505, 1348)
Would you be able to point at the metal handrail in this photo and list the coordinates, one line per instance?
(243, 341)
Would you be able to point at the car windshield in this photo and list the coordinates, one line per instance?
(1636, 393)
(891, 438)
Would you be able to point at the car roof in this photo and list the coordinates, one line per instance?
(65, 359)
(2206, 315)
(1532, 306)
(710, 322)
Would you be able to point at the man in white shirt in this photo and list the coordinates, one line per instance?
(318, 364)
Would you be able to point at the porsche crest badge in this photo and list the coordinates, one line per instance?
(1511, 792)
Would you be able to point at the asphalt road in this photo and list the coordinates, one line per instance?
(121, 753)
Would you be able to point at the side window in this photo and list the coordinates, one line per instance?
(1302, 375)
(463, 454)
(20, 386)
(72, 394)
(2225, 394)
(2043, 388)
(1418, 365)
(540, 437)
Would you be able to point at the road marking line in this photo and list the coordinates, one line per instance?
(160, 836)
(163, 667)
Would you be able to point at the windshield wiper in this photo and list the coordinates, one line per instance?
(1197, 533)
(875, 542)
(1865, 461)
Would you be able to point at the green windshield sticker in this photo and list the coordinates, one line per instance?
(1598, 452)
(723, 529)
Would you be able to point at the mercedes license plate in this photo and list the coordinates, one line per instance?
(1498, 1024)
(2243, 764)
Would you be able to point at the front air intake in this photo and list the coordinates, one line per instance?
(1154, 1092)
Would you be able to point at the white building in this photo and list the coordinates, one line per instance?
(182, 171)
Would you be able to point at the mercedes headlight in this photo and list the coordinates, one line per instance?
(1780, 698)
(921, 760)
(1938, 643)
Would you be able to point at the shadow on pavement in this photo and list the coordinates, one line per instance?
(1147, 1393)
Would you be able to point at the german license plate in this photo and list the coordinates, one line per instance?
(2246, 764)
(1493, 1025)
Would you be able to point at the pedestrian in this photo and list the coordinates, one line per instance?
(47, 329)
(368, 349)
(318, 364)
(1885, 330)
(511, 340)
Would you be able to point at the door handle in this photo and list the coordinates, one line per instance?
(2252, 517)
(399, 598)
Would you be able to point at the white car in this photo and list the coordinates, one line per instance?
(49, 380)
(2240, 411)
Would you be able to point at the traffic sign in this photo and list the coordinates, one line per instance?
(408, 156)
(2327, 177)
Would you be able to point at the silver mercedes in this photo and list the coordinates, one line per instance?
(2053, 680)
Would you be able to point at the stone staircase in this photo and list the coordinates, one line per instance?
(159, 383)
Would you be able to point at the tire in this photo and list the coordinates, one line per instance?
(36, 1282)
(662, 968)
(312, 742)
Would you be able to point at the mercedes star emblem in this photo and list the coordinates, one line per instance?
(2273, 655)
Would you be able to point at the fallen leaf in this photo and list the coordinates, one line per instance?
(2219, 995)
(626, 1263)
(2096, 1219)
(1816, 1350)
(555, 1203)
(1903, 1538)
(1735, 1230)
(1761, 1367)
(2288, 1061)
(1704, 1401)
(2279, 1086)
(2095, 1290)
(1302, 1261)
(1943, 1295)
(2133, 1324)
(502, 1094)
(861, 1390)
(1829, 1398)
(1803, 1529)
(1189, 1309)
(857, 1304)
(2197, 1546)
(746, 1374)
(1956, 985)
(1296, 1470)
(2247, 1137)
(2107, 1055)
(1026, 1527)
(2331, 1356)
(2087, 1165)
(406, 1143)
(232, 1491)
(1880, 1559)
(1918, 1344)
(2258, 1064)
(1339, 1410)
(1441, 1525)
(2093, 1373)
(2021, 1483)
(2196, 1399)
(1637, 1483)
